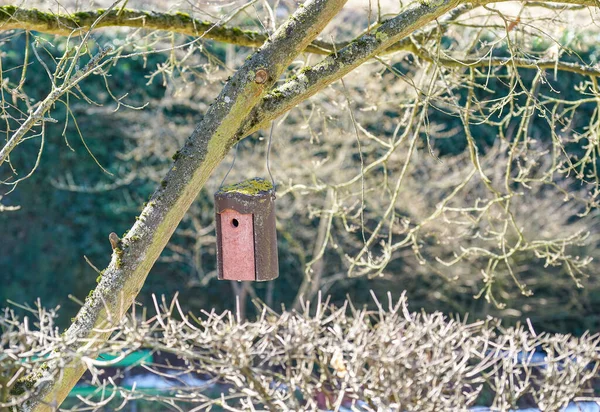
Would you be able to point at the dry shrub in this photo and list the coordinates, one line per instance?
(317, 358)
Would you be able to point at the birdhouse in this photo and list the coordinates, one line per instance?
(246, 234)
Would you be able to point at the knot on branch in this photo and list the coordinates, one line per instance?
(261, 76)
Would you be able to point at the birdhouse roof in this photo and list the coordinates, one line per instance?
(250, 196)
(250, 187)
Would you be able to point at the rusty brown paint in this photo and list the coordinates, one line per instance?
(237, 244)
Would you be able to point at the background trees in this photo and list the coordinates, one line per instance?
(459, 161)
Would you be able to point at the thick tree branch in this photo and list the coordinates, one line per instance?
(337, 65)
(233, 115)
(390, 36)
(17, 18)
(12, 17)
(203, 151)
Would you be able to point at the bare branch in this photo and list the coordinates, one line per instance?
(12, 17)
(337, 65)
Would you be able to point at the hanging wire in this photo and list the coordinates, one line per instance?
(269, 144)
(360, 153)
(362, 164)
(269, 153)
(230, 167)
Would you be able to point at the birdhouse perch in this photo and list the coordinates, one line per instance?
(246, 233)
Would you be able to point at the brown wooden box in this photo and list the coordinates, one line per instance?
(246, 231)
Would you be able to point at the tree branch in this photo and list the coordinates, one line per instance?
(45, 105)
(541, 64)
(17, 18)
(390, 36)
(337, 65)
(203, 151)
(12, 17)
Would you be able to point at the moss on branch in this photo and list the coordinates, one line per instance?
(17, 18)
(13, 17)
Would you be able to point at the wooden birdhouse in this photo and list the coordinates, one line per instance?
(246, 234)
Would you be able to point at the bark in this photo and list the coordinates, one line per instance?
(203, 151)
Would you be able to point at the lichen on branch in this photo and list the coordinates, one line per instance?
(13, 17)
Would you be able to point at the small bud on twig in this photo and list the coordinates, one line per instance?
(114, 240)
